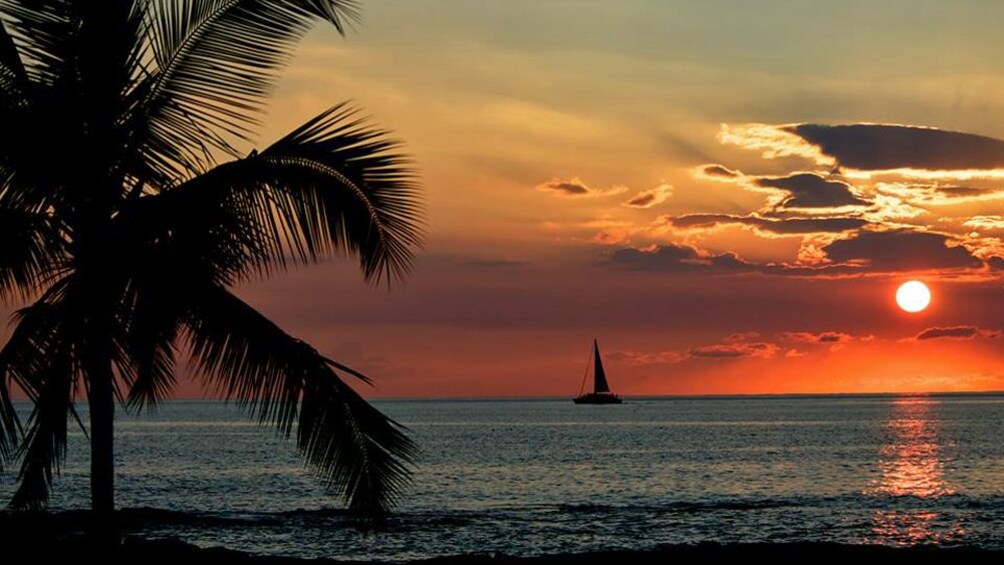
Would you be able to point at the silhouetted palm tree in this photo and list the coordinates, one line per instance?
(127, 216)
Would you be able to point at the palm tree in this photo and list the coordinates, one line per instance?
(128, 215)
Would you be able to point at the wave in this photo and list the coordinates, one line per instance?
(431, 518)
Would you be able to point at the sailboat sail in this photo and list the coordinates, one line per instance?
(601, 388)
(599, 375)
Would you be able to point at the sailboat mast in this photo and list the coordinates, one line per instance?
(585, 375)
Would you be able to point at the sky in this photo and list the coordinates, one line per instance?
(725, 193)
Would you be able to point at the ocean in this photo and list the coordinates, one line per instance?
(529, 477)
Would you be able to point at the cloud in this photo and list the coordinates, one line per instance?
(741, 336)
(901, 250)
(863, 252)
(834, 339)
(672, 258)
(734, 350)
(743, 345)
(830, 337)
(883, 147)
(797, 190)
(957, 332)
(787, 226)
(574, 187)
(718, 351)
(643, 359)
(716, 171)
(772, 141)
(966, 192)
(992, 222)
(650, 198)
(934, 194)
(811, 190)
(865, 149)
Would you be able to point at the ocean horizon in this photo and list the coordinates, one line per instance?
(543, 476)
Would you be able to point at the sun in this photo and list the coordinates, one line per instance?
(913, 296)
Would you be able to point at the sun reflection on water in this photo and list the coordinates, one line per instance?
(912, 465)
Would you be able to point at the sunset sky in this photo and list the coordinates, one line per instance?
(726, 193)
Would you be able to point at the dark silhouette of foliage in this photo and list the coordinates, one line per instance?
(128, 215)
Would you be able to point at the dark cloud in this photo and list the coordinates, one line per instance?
(671, 258)
(901, 250)
(741, 345)
(831, 337)
(964, 191)
(957, 332)
(882, 147)
(789, 226)
(642, 200)
(576, 188)
(720, 171)
(734, 350)
(864, 252)
(567, 187)
(809, 190)
(640, 358)
(649, 198)
(741, 336)
(735, 346)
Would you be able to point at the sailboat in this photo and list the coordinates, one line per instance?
(601, 390)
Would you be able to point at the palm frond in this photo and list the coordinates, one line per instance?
(216, 62)
(367, 194)
(13, 76)
(10, 424)
(335, 185)
(31, 252)
(356, 450)
(39, 29)
(44, 447)
(152, 315)
(36, 358)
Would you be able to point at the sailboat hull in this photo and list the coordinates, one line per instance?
(594, 398)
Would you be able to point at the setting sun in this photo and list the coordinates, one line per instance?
(913, 296)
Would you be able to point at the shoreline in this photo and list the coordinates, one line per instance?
(139, 550)
(44, 537)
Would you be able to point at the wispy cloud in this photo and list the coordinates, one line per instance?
(787, 226)
(957, 332)
(862, 252)
(576, 188)
(761, 349)
(744, 345)
(650, 198)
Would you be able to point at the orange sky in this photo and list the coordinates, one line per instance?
(501, 103)
(665, 177)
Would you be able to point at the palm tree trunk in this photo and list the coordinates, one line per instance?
(102, 407)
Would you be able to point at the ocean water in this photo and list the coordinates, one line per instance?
(525, 477)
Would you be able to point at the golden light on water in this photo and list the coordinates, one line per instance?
(911, 461)
(912, 464)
